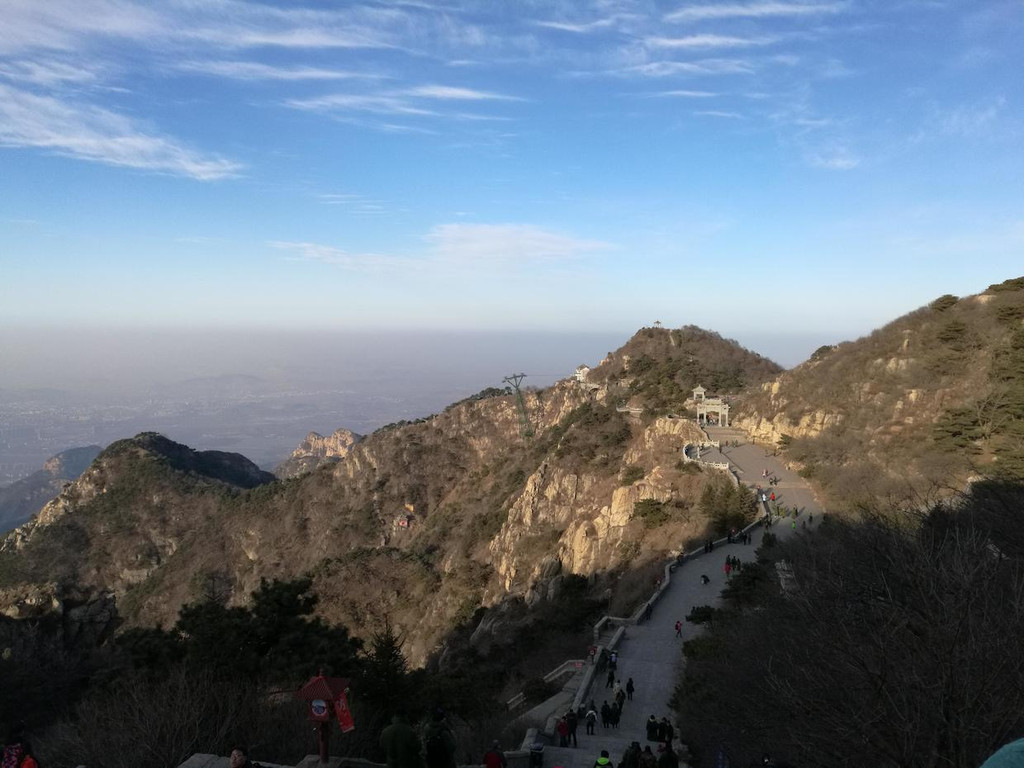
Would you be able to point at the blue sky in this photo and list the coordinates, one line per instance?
(763, 168)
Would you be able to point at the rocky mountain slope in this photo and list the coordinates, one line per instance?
(23, 498)
(317, 450)
(916, 408)
(422, 523)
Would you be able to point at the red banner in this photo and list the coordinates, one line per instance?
(343, 713)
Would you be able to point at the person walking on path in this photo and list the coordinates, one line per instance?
(652, 728)
(440, 742)
(591, 719)
(606, 714)
(495, 758)
(563, 732)
(573, 721)
(667, 759)
(631, 757)
(679, 628)
(620, 698)
(611, 679)
(615, 715)
(401, 745)
(667, 731)
(603, 761)
(647, 758)
(629, 689)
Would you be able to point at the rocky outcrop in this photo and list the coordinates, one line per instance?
(317, 450)
(24, 498)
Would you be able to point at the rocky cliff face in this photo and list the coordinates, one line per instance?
(317, 450)
(22, 499)
(423, 523)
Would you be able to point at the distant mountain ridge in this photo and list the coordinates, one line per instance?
(24, 498)
(423, 522)
(914, 409)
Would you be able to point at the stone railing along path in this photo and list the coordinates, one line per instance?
(650, 652)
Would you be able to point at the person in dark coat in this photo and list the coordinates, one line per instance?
(631, 757)
(652, 728)
(647, 758)
(629, 689)
(401, 745)
(573, 721)
(667, 731)
(439, 742)
(668, 758)
(606, 714)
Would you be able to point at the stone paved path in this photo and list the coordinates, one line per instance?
(650, 653)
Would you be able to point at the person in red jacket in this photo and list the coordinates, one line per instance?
(495, 758)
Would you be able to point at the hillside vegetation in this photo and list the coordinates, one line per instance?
(916, 408)
(422, 524)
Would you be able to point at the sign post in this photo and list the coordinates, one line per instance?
(328, 699)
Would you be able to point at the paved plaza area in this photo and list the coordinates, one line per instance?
(650, 653)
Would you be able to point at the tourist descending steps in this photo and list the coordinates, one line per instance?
(620, 699)
(665, 731)
(631, 757)
(603, 761)
(606, 714)
(611, 679)
(563, 732)
(629, 689)
(573, 721)
(591, 719)
(652, 728)
(616, 713)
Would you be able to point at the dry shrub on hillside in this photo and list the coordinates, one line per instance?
(899, 645)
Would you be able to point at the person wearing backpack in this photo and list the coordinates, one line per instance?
(440, 742)
(603, 761)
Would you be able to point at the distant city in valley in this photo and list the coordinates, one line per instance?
(253, 394)
(260, 394)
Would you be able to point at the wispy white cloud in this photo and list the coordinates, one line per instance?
(254, 70)
(460, 247)
(835, 158)
(355, 262)
(694, 13)
(719, 113)
(972, 120)
(46, 73)
(700, 67)
(375, 104)
(454, 93)
(580, 28)
(684, 94)
(490, 243)
(708, 41)
(90, 133)
(64, 24)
